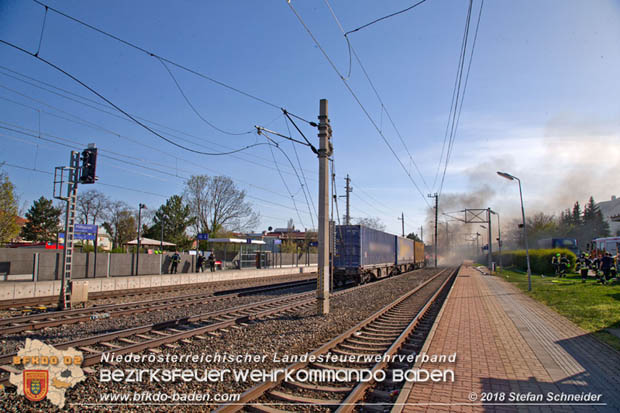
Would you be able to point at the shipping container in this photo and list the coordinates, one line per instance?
(419, 254)
(359, 246)
(404, 251)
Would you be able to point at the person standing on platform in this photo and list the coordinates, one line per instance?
(212, 262)
(176, 258)
(199, 263)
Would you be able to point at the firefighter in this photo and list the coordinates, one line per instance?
(583, 265)
(564, 266)
(606, 264)
(555, 262)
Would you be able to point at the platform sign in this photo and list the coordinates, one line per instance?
(277, 241)
(85, 228)
(202, 237)
(314, 244)
(84, 236)
(248, 241)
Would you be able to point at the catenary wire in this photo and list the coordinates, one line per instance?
(189, 103)
(155, 55)
(239, 156)
(385, 17)
(358, 102)
(372, 85)
(120, 136)
(72, 145)
(123, 111)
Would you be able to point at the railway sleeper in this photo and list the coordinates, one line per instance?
(317, 387)
(302, 399)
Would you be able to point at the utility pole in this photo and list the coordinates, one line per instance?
(422, 233)
(477, 244)
(447, 239)
(490, 257)
(325, 150)
(348, 189)
(436, 196)
(402, 218)
(140, 206)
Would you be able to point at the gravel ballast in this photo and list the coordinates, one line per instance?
(300, 332)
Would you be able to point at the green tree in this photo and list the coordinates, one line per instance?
(576, 214)
(8, 210)
(43, 221)
(175, 217)
(414, 237)
(593, 221)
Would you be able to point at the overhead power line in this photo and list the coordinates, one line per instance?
(74, 145)
(155, 55)
(189, 103)
(372, 121)
(123, 111)
(384, 17)
(372, 85)
(456, 116)
(99, 107)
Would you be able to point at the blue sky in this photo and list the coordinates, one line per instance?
(541, 100)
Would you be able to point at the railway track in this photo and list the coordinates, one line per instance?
(152, 336)
(38, 321)
(132, 292)
(399, 328)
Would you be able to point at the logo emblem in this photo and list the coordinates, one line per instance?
(36, 384)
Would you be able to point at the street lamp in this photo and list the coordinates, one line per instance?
(499, 238)
(140, 207)
(527, 252)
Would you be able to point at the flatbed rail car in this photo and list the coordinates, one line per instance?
(364, 254)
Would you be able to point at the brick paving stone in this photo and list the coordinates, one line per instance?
(507, 342)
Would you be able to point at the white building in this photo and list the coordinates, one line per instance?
(609, 209)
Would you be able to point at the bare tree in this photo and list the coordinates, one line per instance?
(91, 206)
(374, 223)
(120, 223)
(218, 204)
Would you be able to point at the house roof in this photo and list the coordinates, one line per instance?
(148, 241)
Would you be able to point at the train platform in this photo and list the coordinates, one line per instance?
(16, 290)
(512, 354)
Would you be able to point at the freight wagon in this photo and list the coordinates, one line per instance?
(364, 254)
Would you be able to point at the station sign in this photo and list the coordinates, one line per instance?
(85, 228)
(277, 241)
(202, 237)
(314, 244)
(248, 241)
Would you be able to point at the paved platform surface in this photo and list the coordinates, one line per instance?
(507, 344)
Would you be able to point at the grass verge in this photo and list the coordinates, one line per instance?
(592, 306)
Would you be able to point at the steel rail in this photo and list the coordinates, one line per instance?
(102, 295)
(237, 316)
(261, 389)
(358, 392)
(56, 318)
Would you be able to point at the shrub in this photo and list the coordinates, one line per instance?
(540, 259)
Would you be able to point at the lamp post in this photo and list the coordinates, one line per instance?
(140, 207)
(499, 238)
(527, 252)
